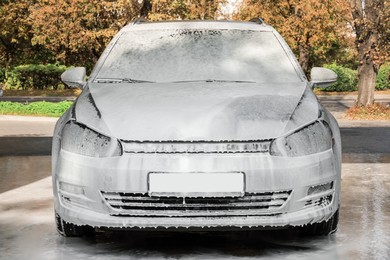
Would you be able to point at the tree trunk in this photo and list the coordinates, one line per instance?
(368, 68)
(304, 56)
(145, 8)
(367, 17)
(366, 86)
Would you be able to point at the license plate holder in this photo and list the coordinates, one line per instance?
(230, 184)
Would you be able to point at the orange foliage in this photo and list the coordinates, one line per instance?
(182, 9)
(310, 27)
(15, 31)
(77, 31)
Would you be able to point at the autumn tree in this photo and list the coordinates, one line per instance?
(168, 9)
(77, 31)
(310, 27)
(15, 32)
(184, 9)
(204, 9)
(384, 28)
(370, 20)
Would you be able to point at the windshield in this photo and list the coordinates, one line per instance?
(197, 55)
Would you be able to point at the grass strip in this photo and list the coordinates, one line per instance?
(42, 108)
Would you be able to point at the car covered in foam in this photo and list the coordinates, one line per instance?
(198, 125)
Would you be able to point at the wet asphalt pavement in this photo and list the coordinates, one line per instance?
(27, 229)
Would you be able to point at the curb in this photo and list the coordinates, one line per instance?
(27, 99)
(28, 118)
(351, 97)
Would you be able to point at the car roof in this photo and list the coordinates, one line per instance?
(197, 24)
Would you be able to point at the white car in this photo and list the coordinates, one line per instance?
(199, 125)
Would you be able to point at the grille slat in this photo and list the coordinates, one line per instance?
(187, 205)
(141, 204)
(193, 213)
(146, 198)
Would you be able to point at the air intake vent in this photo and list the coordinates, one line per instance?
(252, 204)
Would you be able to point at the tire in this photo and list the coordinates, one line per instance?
(323, 228)
(71, 230)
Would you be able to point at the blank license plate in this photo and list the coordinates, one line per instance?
(196, 184)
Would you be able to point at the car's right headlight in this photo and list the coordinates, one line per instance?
(311, 139)
(80, 139)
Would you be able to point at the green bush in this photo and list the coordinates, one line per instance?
(35, 108)
(35, 76)
(346, 81)
(383, 78)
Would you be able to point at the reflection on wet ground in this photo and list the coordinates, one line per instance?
(279, 245)
(17, 171)
(25, 145)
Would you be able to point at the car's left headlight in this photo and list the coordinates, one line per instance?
(311, 139)
(80, 139)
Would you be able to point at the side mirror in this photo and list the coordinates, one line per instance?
(322, 77)
(74, 77)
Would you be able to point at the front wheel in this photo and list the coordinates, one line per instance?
(71, 230)
(323, 228)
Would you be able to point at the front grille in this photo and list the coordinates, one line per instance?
(196, 147)
(251, 204)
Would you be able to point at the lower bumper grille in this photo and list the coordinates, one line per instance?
(251, 204)
(323, 201)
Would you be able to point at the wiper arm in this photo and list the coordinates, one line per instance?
(214, 80)
(129, 80)
(235, 81)
(120, 80)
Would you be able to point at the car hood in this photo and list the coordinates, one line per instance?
(194, 111)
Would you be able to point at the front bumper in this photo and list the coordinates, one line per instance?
(265, 175)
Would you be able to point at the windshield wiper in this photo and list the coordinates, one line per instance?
(122, 80)
(128, 80)
(214, 80)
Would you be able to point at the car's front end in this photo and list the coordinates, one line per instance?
(113, 192)
(233, 138)
(291, 179)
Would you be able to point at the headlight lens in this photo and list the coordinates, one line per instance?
(313, 138)
(78, 138)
